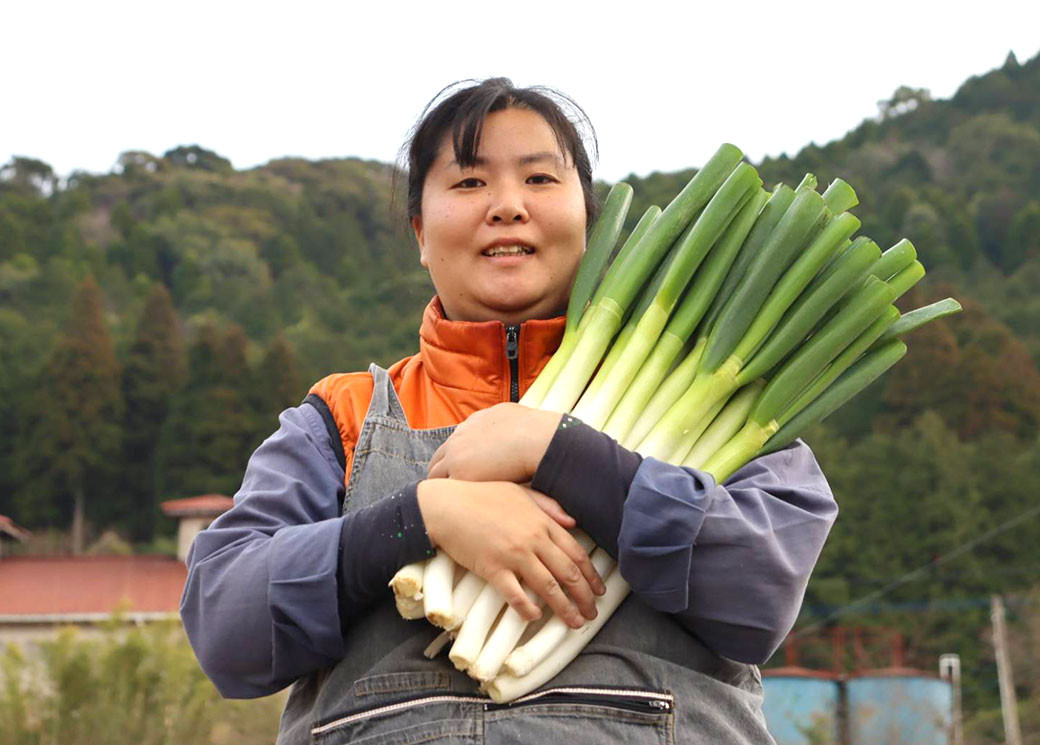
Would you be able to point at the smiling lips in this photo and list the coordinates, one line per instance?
(516, 249)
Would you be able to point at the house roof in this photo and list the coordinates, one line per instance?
(207, 505)
(9, 529)
(66, 586)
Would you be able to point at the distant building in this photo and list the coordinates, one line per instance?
(40, 594)
(195, 514)
(10, 532)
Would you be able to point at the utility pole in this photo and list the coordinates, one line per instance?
(1012, 731)
(950, 670)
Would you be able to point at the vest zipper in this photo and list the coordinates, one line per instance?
(513, 355)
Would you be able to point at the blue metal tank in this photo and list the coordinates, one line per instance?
(898, 706)
(801, 706)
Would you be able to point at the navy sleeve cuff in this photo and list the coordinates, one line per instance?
(375, 542)
(589, 474)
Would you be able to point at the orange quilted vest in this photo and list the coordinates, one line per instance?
(461, 367)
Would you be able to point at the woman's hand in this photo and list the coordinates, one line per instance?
(500, 531)
(503, 443)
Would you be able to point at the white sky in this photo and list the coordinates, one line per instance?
(663, 83)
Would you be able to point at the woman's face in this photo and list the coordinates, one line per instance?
(502, 240)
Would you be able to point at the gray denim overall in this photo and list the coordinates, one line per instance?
(643, 679)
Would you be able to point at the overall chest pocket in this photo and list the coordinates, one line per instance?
(576, 716)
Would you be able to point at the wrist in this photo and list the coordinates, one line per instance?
(429, 494)
(544, 428)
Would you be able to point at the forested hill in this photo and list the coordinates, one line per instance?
(154, 319)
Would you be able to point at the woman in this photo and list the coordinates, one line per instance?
(290, 585)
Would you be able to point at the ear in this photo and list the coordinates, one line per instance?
(417, 227)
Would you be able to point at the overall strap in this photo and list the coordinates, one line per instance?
(385, 403)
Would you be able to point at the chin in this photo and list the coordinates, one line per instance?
(519, 311)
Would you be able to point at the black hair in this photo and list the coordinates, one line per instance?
(461, 115)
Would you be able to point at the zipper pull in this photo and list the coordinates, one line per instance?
(512, 356)
(658, 704)
(512, 342)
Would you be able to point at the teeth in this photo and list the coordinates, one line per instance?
(517, 250)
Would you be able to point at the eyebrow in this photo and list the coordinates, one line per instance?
(523, 160)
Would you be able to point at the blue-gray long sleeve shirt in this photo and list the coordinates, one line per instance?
(274, 582)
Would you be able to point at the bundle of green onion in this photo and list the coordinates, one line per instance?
(724, 327)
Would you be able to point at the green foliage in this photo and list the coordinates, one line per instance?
(152, 375)
(73, 433)
(276, 385)
(209, 433)
(908, 499)
(137, 685)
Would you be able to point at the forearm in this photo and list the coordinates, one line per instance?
(749, 547)
(731, 562)
(274, 583)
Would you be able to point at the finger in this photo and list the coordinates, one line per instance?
(540, 579)
(569, 576)
(574, 551)
(438, 456)
(553, 509)
(439, 470)
(512, 592)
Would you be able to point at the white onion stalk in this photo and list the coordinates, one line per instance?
(475, 627)
(463, 597)
(409, 608)
(690, 436)
(723, 426)
(407, 583)
(522, 659)
(439, 643)
(437, 589)
(508, 687)
(510, 628)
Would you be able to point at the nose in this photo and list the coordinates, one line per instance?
(507, 206)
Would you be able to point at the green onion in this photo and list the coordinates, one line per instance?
(854, 380)
(689, 253)
(810, 308)
(608, 313)
(920, 316)
(840, 197)
(728, 422)
(639, 401)
(894, 260)
(600, 245)
(536, 393)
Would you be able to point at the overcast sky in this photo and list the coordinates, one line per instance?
(663, 83)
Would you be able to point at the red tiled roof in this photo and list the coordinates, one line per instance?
(34, 585)
(208, 505)
(8, 529)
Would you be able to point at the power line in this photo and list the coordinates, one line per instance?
(930, 604)
(920, 572)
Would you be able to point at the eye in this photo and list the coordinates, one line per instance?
(469, 183)
(541, 178)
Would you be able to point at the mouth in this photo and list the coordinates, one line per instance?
(517, 249)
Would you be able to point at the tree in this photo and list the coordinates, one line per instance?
(904, 100)
(154, 370)
(195, 156)
(973, 371)
(1023, 240)
(209, 433)
(276, 386)
(30, 175)
(74, 436)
